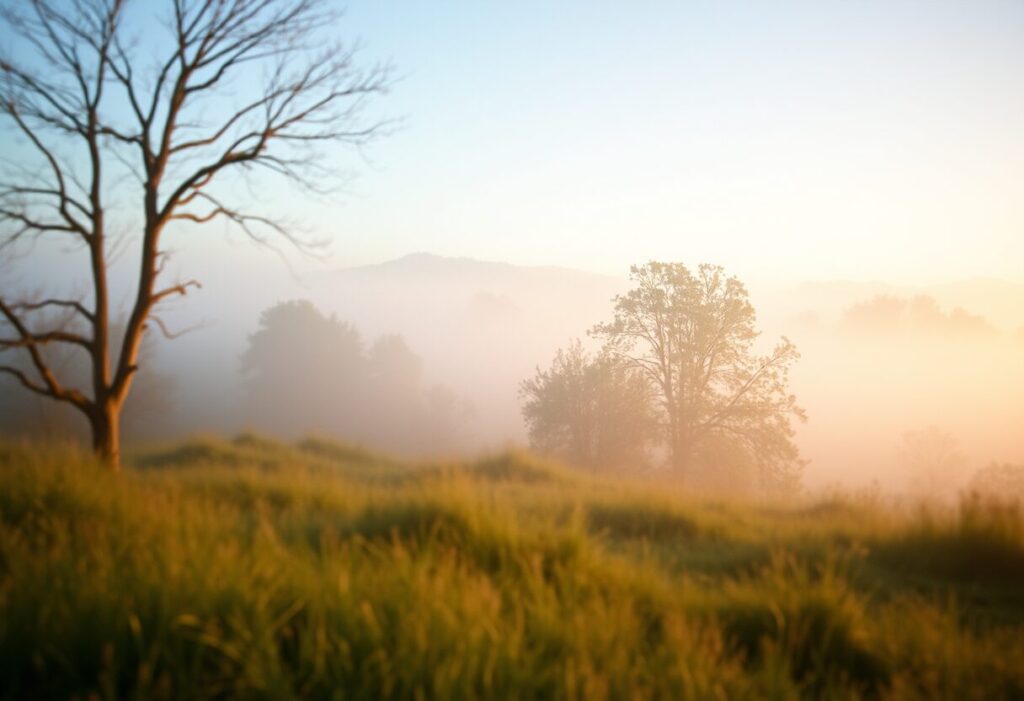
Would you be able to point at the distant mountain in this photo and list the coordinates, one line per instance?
(481, 327)
(426, 295)
(465, 273)
(430, 265)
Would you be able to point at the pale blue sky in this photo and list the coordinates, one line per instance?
(788, 141)
(814, 139)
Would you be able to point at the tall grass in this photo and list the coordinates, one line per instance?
(259, 570)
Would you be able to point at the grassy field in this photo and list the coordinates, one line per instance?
(254, 569)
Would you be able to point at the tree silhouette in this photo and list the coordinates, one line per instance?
(237, 87)
(920, 315)
(305, 371)
(691, 335)
(593, 412)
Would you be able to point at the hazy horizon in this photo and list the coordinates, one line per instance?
(479, 328)
(326, 267)
(822, 152)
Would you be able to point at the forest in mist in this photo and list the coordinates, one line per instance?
(423, 356)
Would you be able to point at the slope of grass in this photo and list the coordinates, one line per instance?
(260, 570)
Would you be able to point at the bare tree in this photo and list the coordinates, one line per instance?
(233, 87)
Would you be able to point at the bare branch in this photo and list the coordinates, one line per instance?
(171, 335)
(244, 221)
(71, 224)
(24, 379)
(80, 100)
(181, 289)
(50, 387)
(46, 303)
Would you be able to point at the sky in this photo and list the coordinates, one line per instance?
(807, 140)
(786, 141)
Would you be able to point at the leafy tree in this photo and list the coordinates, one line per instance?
(593, 412)
(393, 366)
(691, 336)
(304, 371)
(228, 88)
(394, 410)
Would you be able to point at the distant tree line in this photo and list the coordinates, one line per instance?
(302, 373)
(676, 381)
(887, 314)
(306, 372)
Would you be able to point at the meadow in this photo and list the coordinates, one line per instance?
(254, 569)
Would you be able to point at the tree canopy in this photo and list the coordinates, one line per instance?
(304, 371)
(692, 335)
(686, 341)
(591, 411)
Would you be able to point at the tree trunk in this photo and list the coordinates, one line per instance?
(106, 435)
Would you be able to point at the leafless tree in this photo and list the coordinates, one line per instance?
(212, 90)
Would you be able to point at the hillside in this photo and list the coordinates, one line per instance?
(256, 569)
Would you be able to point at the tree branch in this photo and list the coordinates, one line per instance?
(181, 289)
(67, 303)
(51, 387)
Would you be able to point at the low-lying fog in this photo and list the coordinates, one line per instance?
(430, 351)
